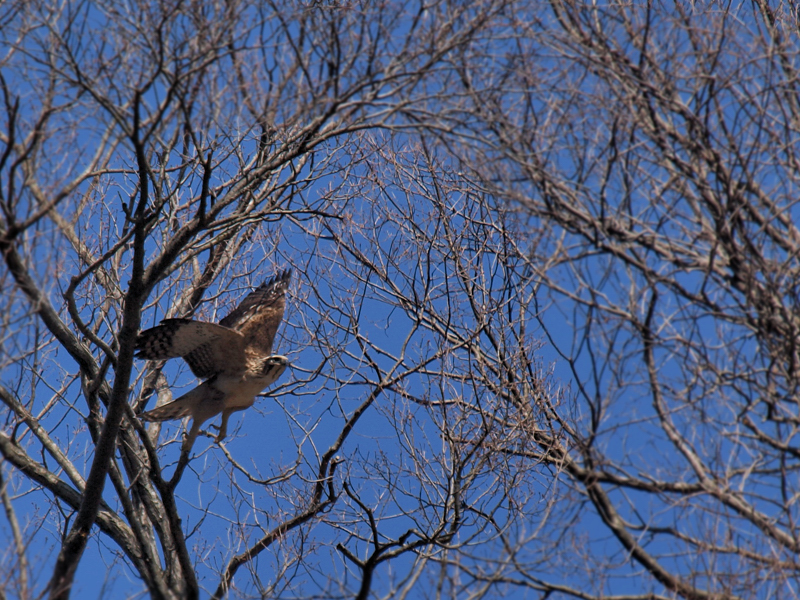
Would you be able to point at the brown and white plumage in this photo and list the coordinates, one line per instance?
(235, 357)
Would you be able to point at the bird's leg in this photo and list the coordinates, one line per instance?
(191, 436)
(223, 427)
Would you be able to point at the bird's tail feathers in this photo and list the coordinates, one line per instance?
(177, 409)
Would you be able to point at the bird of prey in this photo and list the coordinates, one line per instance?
(234, 357)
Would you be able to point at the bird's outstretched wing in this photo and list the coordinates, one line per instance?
(257, 317)
(208, 348)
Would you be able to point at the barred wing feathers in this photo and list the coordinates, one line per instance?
(260, 313)
(208, 348)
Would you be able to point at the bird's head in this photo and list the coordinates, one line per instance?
(274, 366)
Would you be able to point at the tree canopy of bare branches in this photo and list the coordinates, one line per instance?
(543, 323)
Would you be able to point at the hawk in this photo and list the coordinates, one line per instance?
(234, 357)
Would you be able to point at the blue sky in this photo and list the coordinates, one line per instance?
(405, 262)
